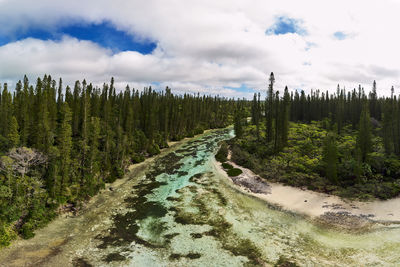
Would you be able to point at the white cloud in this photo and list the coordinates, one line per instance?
(208, 45)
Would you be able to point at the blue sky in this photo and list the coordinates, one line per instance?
(243, 88)
(217, 47)
(103, 34)
(284, 25)
(340, 35)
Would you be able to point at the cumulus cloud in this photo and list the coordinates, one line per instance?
(208, 46)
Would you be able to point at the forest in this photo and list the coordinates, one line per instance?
(60, 146)
(345, 143)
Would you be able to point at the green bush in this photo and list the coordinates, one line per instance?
(177, 137)
(136, 158)
(198, 130)
(190, 134)
(153, 150)
(222, 153)
(227, 166)
(26, 230)
(242, 158)
(387, 190)
(392, 167)
(234, 172)
(6, 235)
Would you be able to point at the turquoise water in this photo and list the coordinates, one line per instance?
(183, 212)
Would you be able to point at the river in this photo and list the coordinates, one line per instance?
(178, 210)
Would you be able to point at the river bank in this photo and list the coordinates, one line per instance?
(321, 208)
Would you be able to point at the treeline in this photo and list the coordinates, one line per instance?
(60, 146)
(337, 110)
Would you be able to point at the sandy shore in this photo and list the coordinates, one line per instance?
(319, 206)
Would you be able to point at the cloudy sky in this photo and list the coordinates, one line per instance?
(225, 47)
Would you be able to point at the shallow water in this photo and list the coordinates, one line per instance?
(182, 212)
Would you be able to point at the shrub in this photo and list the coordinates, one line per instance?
(387, 190)
(234, 172)
(136, 158)
(227, 166)
(190, 134)
(392, 167)
(198, 130)
(153, 150)
(222, 153)
(27, 230)
(6, 235)
(242, 158)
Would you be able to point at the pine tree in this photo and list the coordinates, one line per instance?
(65, 148)
(269, 107)
(13, 134)
(238, 124)
(339, 109)
(25, 115)
(364, 142)
(5, 111)
(330, 158)
(285, 113)
(374, 106)
(388, 126)
(76, 112)
(256, 113)
(277, 124)
(95, 181)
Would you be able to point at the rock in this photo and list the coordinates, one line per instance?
(346, 220)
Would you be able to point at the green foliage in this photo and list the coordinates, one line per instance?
(222, 153)
(153, 150)
(322, 161)
(330, 158)
(27, 230)
(227, 166)
(241, 157)
(364, 142)
(137, 158)
(6, 234)
(13, 135)
(238, 123)
(234, 172)
(269, 108)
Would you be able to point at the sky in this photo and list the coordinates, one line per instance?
(224, 47)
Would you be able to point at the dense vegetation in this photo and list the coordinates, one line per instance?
(346, 143)
(61, 146)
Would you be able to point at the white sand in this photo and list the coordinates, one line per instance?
(315, 204)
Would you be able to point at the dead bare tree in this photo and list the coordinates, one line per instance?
(25, 158)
